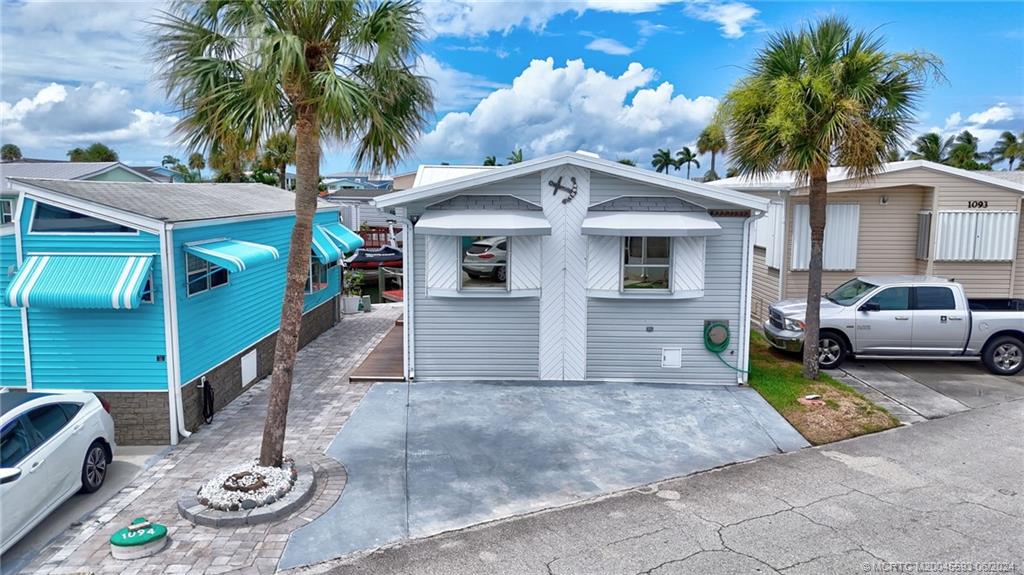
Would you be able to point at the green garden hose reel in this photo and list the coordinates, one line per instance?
(716, 340)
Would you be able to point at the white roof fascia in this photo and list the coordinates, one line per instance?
(670, 224)
(483, 222)
(598, 165)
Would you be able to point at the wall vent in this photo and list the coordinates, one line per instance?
(672, 357)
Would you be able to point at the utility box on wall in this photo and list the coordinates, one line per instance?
(672, 357)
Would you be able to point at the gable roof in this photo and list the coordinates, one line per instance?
(787, 180)
(175, 202)
(62, 170)
(428, 174)
(488, 175)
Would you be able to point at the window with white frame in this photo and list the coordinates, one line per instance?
(202, 275)
(51, 219)
(319, 277)
(646, 263)
(147, 290)
(484, 262)
(924, 234)
(842, 227)
(6, 210)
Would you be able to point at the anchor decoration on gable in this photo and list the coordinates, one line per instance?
(557, 186)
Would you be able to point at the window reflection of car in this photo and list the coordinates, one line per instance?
(482, 257)
(51, 446)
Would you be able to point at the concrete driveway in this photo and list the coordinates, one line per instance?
(434, 457)
(916, 390)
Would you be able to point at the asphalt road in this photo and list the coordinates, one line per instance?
(942, 495)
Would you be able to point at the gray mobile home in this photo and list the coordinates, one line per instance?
(573, 268)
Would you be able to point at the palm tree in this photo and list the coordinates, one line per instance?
(516, 156)
(815, 97)
(229, 156)
(662, 160)
(931, 147)
(685, 157)
(965, 154)
(626, 161)
(712, 140)
(169, 161)
(490, 161)
(1009, 148)
(337, 70)
(278, 152)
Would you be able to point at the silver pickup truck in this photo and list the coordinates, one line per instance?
(906, 316)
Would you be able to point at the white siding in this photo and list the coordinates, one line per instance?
(619, 346)
(442, 262)
(525, 262)
(841, 231)
(473, 338)
(563, 307)
(976, 236)
(604, 263)
(688, 264)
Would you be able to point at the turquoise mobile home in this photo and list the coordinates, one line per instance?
(144, 292)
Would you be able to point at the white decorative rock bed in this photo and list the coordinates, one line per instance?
(247, 494)
(248, 486)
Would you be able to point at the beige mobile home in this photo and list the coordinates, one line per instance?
(914, 217)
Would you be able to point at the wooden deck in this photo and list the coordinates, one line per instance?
(385, 361)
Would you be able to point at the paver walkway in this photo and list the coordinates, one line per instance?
(321, 402)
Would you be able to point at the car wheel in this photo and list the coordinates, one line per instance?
(1004, 355)
(499, 274)
(831, 351)
(94, 469)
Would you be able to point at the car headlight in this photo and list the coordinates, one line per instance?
(794, 325)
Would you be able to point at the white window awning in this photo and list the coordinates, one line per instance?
(483, 223)
(670, 224)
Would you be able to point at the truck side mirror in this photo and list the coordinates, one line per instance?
(871, 306)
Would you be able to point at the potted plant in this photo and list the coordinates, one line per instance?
(352, 291)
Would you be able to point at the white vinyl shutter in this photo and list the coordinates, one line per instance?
(842, 223)
(688, 265)
(604, 262)
(976, 236)
(768, 233)
(524, 262)
(442, 262)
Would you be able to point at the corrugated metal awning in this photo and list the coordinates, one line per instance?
(670, 224)
(483, 223)
(343, 237)
(324, 248)
(233, 255)
(80, 282)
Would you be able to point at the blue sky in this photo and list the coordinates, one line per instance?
(620, 78)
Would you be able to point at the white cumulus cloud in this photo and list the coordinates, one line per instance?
(454, 89)
(1001, 112)
(549, 109)
(731, 17)
(464, 18)
(59, 117)
(609, 46)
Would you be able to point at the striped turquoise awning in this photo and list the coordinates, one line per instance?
(233, 255)
(343, 237)
(80, 282)
(324, 248)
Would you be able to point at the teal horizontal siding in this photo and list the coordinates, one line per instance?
(216, 325)
(12, 352)
(110, 350)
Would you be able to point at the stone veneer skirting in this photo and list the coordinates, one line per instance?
(143, 418)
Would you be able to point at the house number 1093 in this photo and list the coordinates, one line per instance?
(977, 204)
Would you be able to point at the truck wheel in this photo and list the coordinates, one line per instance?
(1004, 355)
(831, 351)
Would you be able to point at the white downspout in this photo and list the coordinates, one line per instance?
(743, 362)
(26, 343)
(171, 328)
(408, 297)
(166, 286)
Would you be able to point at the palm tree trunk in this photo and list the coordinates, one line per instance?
(818, 201)
(282, 172)
(687, 170)
(713, 162)
(307, 166)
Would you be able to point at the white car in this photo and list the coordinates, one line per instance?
(486, 257)
(51, 447)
